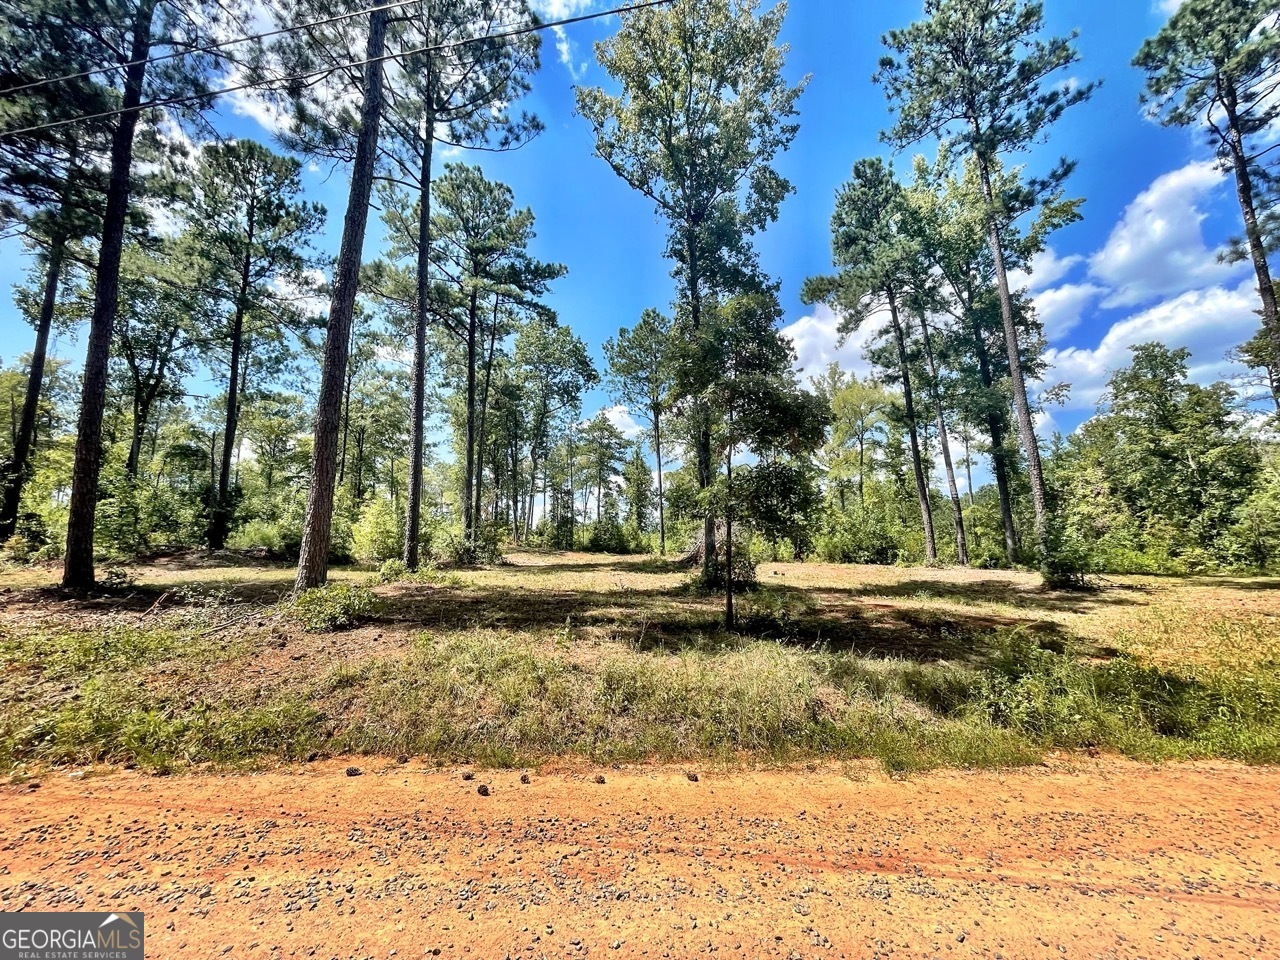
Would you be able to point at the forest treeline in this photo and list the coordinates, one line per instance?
(424, 400)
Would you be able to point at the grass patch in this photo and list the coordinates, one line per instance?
(610, 659)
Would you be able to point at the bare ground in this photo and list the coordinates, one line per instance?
(1075, 859)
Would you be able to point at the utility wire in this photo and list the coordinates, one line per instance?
(191, 98)
(209, 48)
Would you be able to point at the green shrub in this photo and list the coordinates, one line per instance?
(333, 606)
(378, 534)
(392, 570)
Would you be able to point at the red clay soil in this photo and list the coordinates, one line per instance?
(1105, 859)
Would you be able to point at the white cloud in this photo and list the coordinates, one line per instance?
(1046, 269)
(621, 418)
(816, 340)
(1168, 6)
(1158, 249)
(565, 47)
(1062, 308)
(1206, 322)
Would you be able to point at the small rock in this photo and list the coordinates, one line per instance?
(468, 775)
(483, 789)
(693, 777)
(402, 759)
(354, 771)
(524, 778)
(599, 778)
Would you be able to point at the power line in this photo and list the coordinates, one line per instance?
(209, 48)
(211, 94)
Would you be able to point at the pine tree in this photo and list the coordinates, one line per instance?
(703, 113)
(976, 72)
(1214, 64)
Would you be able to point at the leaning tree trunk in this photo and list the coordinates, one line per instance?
(413, 498)
(313, 559)
(1253, 233)
(1022, 407)
(729, 623)
(20, 464)
(77, 570)
(962, 543)
(908, 402)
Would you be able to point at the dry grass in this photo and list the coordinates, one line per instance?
(614, 656)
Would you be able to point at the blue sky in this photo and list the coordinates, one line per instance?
(1140, 266)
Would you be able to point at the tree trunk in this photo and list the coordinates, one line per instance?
(220, 521)
(1022, 407)
(77, 571)
(19, 467)
(728, 532)
(703, 438)
(662, 511)
(469, 477)
(413, 502)
(917, 465)
(1253, 233)
(962, 543)
(484, 412)
(995, 429)
(313, 560)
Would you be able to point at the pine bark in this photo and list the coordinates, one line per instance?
(78, 571)
(313, 560)
(1022, 407)
(413, 499)
(1245, 194)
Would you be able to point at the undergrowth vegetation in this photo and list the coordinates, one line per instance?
(652, 678)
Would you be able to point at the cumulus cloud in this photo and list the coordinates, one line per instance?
(816, 341)
(1158, 248)
(621, 418)
(1206, 322)
(1062, 308)
(1046, 269)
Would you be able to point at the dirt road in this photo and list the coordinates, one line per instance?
(1103, 859)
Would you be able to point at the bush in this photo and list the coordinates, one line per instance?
(333, 606)
(378, 534)
(392, 570)
(484, 550)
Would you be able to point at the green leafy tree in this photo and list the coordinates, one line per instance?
(637, 481)
(877, 263)
(601, 449)
(640, 377)
(1214, 64)
(703, 112)
(133, 37)
(482, 244)
(743, 372)
(254, 235)
(976, 73)
(1162, 470)
(459, 93)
